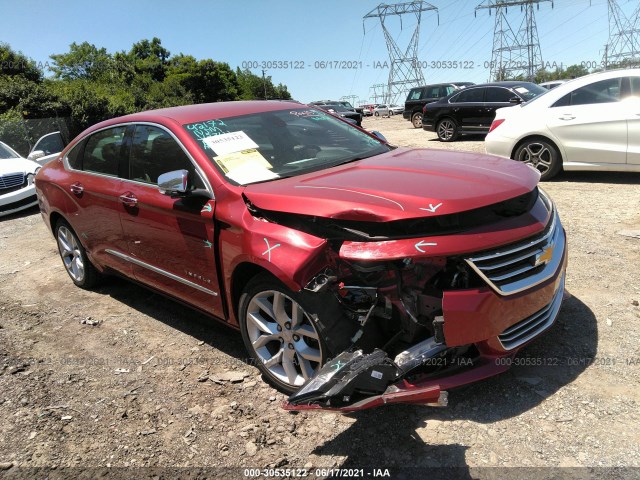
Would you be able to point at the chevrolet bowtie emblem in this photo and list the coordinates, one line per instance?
(546, 255)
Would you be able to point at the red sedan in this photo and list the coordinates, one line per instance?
(358, 273)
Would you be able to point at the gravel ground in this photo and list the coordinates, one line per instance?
(91, 382)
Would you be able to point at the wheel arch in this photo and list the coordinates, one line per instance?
(242, 274)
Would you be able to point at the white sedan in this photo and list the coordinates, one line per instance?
(17, 191)
(591, 123)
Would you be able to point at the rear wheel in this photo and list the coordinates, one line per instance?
(540, 154)
(377, 114)
(282, 333)
(416, 119)
(74, 257)
(447, 130)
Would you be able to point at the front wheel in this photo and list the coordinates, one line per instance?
(447, 130)
(282, 333)
(416, 119)
(391, 113)
(541, 155)
(377, 114)
(74, 257)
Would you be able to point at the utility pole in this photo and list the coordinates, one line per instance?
(623, 46)
(515, 53)
(405, 71)
(264, 83)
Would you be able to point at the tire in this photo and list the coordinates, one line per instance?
(377, 114)
(390, 113)
(447, 130)
(416, 119)
(288, 352)
(540, 154)
(74, 257)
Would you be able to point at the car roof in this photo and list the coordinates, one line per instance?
(204, 111)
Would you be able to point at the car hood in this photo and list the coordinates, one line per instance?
(15, 165)
(401, 184)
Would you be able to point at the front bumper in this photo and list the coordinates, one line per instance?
(18, 200)
(497, 321)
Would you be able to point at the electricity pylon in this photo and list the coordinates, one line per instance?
(379, 96)
(623, 46)
(516, 53)
(404, 69)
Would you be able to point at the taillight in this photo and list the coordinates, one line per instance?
(495, 124)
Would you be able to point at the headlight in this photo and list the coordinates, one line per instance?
(32, 176)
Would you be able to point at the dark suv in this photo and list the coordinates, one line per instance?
(419, 96)
(473, 109)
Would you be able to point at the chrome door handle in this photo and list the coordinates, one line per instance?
(566, 117)
(128, 199)
(76, 188)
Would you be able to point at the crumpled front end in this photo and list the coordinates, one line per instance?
(432, 313)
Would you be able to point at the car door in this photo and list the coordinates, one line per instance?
(467, 109)
(91, 184)
(47, 148)
(591, 123)
(632, 104)
(171, 240)
(494, 98)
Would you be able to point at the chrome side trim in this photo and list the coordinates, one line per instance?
(529, 328)
(170, 275)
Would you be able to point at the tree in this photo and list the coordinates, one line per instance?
(84, 61)
(15, 64)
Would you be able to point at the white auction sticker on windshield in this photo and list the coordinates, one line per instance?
(521, 90)
(230, 142)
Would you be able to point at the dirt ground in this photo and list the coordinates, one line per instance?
(122, 377)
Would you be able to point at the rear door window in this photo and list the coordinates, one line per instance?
(471, 95)
(103, 151)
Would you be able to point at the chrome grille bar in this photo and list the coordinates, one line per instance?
(11, 180)
(529, 328)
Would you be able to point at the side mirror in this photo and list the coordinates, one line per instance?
(175, 182)
(379, 135)
(36, 154)
(515, 100)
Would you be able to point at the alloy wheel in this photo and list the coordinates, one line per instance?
(538, 155)
(283, 337)
(71, 253)
(446, 130)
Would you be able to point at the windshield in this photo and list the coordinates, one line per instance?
(529, 91)
(271, 145)
(6, 152)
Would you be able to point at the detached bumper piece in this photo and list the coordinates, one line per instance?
(355, 381)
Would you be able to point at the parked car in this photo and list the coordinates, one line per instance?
(367, 109)
(17, 189)
(341, 111)
(419, 96)
(550, 85)
(591, 123)
(387, 110)
(47, 148)
(317, 241)
(472, 110)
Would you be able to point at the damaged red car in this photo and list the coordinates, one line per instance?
(358, 273)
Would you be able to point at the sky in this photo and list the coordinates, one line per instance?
(314, 37)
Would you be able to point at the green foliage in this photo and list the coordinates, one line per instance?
(90, 84)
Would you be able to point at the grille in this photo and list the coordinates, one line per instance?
(530, 327)
(11, 180)
(516, 267)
